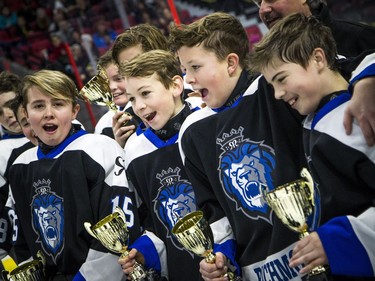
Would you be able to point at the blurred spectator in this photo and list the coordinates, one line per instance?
(104, 36)
(65, 30)
(7, 18)
(42, 20)
(22, 28)
(83, 63)
(57, 54)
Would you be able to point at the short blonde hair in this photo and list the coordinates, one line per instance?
(51, 82)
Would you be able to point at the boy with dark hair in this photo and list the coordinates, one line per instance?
(253, 140)
(298, 57)
(352, 38)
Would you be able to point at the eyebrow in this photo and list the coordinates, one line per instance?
(275, 76)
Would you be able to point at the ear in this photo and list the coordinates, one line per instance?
(178, 85)
(319, 58)
(76, 109)
(233, 63)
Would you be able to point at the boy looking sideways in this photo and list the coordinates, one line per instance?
(299, 58)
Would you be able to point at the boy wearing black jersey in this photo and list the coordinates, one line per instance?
(253, 140)
(154, 87)
(71, 177)
(304, 74)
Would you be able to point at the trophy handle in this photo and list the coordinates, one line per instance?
(5, 275)
(88, 229)
(121, 213)
(310, 184)
(41, 257)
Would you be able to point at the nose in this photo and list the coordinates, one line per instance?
(189, 78)
(264, 8)
(139, 105)
(8, 113)
(279, 93)
(48, 112)
(113, 87)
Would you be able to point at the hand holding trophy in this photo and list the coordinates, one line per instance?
(30, 271)
(97, 91)
(195, 234)
(113, 233)
(293, 203)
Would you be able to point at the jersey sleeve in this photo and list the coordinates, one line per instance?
(206, 200)
(349, 244)
(108, 193)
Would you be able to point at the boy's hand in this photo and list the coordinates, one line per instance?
(214, 271)
(362, 108)
(310, 252)
(128, 262)
(121, 132)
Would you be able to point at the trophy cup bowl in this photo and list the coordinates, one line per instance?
(113, 233)
(293, 203)
(97, 91)
(194, 233)
(29, 271)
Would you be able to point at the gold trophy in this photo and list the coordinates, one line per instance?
(195, 234)
(97, 91)
(113, 233)
(29, 271)
(293, 203)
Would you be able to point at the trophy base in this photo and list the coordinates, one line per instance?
(151, 275)
(322, 276)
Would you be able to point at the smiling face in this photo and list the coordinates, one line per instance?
(206, 74)
(7, 118)
(50, 118)
(117, 85)
(301, 88)
(271, 11)
(152, 102)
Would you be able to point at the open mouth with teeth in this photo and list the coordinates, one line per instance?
(292, 101)
(117, 95)
(150, 117)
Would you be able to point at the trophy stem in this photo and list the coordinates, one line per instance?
(304, 233)
(138, 273)
(210, 257)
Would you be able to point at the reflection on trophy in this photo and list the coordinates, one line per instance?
(30, 271)
(195, 234)
(97, 91)
(113, 233)
(293, 203)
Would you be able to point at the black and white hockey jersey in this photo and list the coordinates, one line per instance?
(80, 180)
(155, 169)
(343, 168)
(228, 156)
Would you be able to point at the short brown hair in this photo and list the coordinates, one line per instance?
(147, 35)
(218, 32)
(162, 63)
(293, 39)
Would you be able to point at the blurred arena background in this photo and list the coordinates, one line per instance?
(70, 35)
